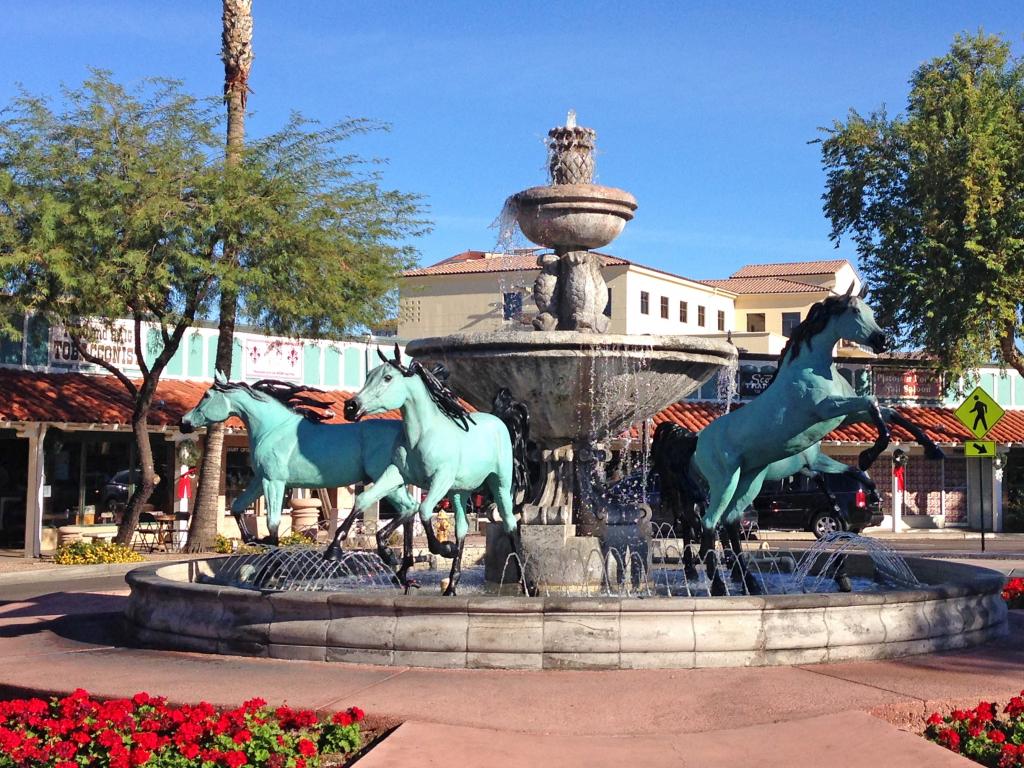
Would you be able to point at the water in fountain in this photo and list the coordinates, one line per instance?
(303, 569)
(727, 383)
(819, 563)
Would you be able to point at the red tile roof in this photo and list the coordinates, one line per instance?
(77, 398)
(470, 262)
(764, 285)
(938, 423)
(783, 269)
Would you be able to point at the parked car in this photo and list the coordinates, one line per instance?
(114, 494)
(797, 503)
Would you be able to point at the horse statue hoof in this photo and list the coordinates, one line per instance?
(752, 585)
(690, 572)
(718, 587)
(843, 582)
(333, 552)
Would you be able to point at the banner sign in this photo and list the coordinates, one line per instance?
(272, 359)
(910, 384)
(753, 383)
(113, 343)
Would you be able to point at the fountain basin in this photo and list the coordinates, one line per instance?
(578, 386)
(573, 216)
(959, 606)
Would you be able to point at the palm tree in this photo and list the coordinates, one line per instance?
(237, 55)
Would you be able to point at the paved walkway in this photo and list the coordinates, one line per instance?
(854, 714)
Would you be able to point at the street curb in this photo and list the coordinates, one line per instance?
(71, 572)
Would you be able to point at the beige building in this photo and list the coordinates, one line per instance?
(757, 306)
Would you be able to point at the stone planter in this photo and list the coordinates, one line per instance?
(305, 514)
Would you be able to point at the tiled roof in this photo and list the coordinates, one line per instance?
(469, 262)
(77, 398)
(938, 423)
(764, 285)
(782, 269)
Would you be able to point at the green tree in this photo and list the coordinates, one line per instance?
(108, 210)
(934, 201)
(121, 205)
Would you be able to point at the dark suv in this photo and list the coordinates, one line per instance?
(797, 503)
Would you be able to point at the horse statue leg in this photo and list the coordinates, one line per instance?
(273, 492)
(251, 493)
(747, 488)
(389, 481)
(931, 450)
(461, 529)
(501, 491)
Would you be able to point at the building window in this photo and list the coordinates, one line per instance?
(512, 306)
(664, 307)
(755, 322)
(645, 303)
(700, 315)
(721, 320)
(790, 320)
(608, 306)
(682, 311)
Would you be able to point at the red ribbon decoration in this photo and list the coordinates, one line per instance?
(900, 474)
(185, 484)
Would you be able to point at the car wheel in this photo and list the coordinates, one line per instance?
(825, 523)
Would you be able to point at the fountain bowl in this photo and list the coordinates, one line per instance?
(577, 385)
(176, 606)
(573, 216)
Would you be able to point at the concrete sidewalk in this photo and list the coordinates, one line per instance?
(840, 714)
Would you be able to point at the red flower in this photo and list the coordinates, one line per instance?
(146, 740)
(141, 698)
(935, 719)
(139, 756)
(235, 759)
(950, 739)
(307, 748)
(997, 736)
(189, 751)
(242, 737)
(357, 714)
(342, 718)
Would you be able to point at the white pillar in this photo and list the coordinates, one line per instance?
(897, 505)
(36, 434)
(997, 498)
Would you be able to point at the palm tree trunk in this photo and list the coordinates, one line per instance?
(236, 52)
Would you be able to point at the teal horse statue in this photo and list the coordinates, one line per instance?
(806, 400)
(443, 448)
(290, 448)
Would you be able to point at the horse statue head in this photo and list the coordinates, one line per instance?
(387, 388)
(221, 401)
(846, 316)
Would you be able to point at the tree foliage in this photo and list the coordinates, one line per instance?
(118, 203)
(934, 201)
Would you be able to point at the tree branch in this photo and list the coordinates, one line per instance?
(1008, 346)
(91, 358)
(138, 346)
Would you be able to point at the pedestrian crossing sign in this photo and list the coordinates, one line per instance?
(979, 412)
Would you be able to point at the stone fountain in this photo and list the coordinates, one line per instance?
(581, 384)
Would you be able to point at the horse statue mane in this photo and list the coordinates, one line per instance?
(291, 396)
(443, 397)
(817, 318)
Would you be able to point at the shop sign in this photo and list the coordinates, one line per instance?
(272, 359)
(113, 343)
(910, 384)
(753, 383)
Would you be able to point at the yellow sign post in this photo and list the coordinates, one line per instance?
(981, 449)
(979, 412)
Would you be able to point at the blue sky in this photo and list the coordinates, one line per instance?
(703, 110)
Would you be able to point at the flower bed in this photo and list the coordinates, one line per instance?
(1013, 593)
(982, 734)
(145, 731)
(95, 553)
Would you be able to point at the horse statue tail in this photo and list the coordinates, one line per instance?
(516, 417)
